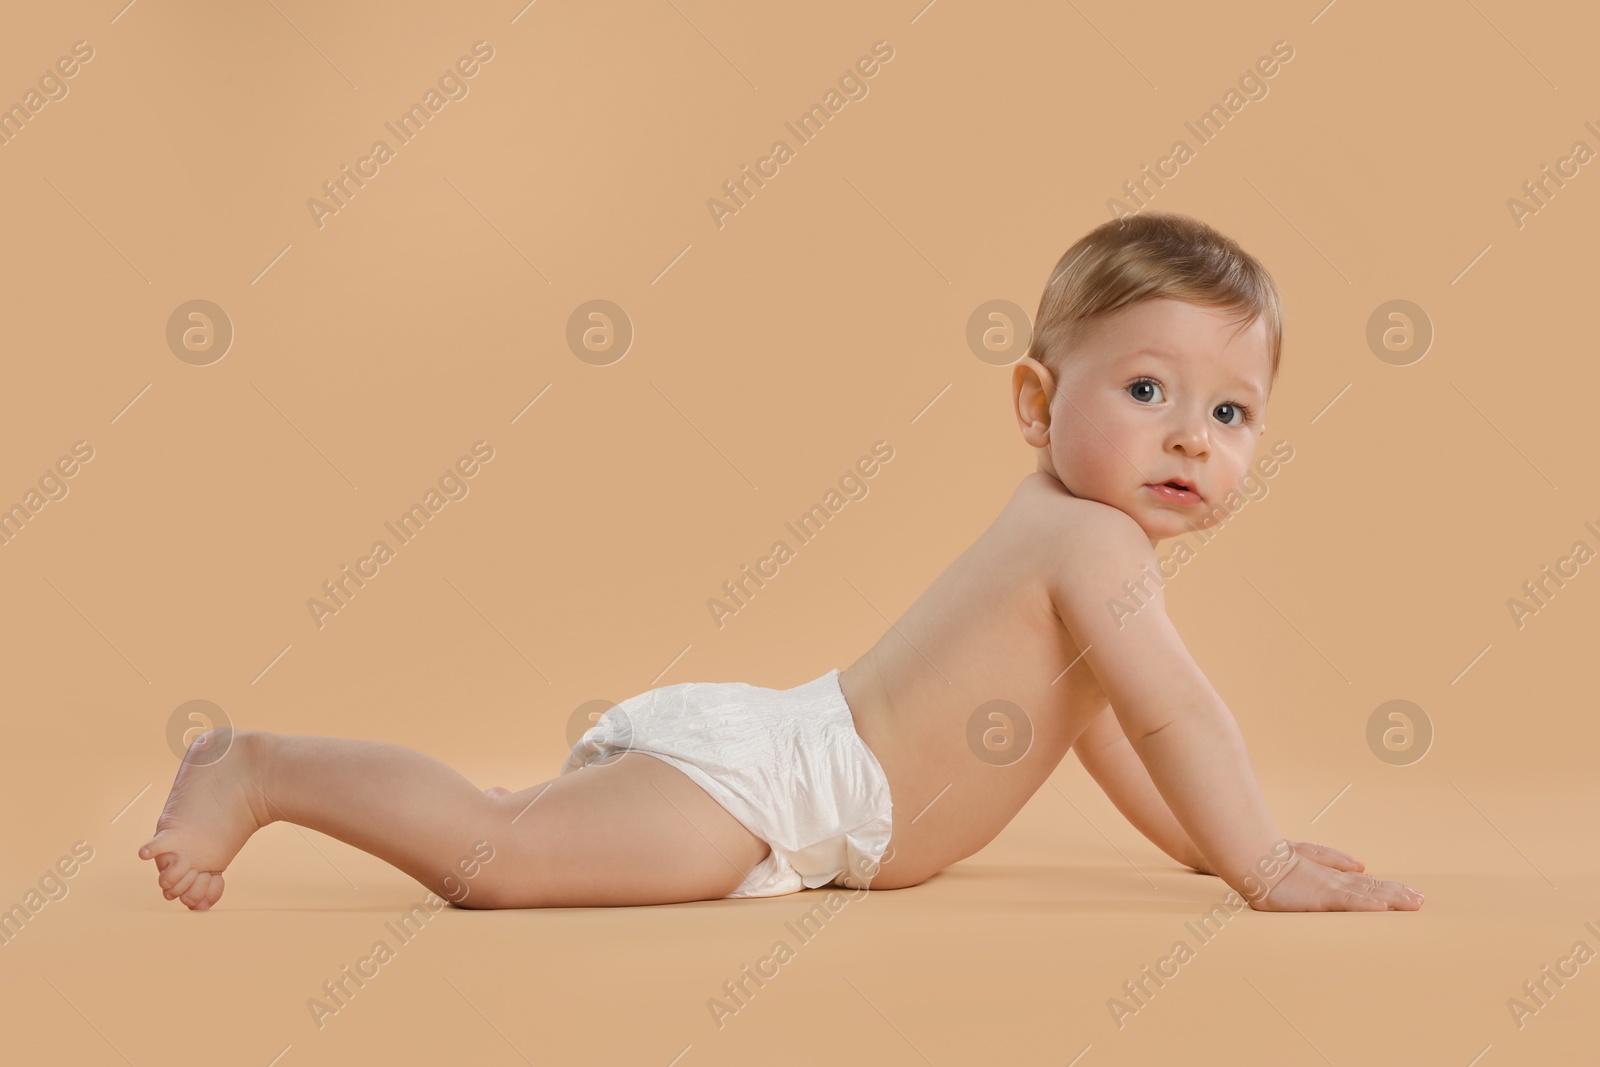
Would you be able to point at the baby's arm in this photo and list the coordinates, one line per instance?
(1179, 726)
(1105, 753)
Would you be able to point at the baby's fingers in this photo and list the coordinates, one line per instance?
(1328, 857)
(1363, 892)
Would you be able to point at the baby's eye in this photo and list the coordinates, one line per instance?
(1140, 389)
(1227, 411)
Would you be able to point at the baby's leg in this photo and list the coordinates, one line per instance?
(629, 830)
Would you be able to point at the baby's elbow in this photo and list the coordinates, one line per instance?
(1144, 735)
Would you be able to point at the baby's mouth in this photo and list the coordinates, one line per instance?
(1188, 490)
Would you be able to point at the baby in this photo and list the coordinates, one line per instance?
(1142, 394)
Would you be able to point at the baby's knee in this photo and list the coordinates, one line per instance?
(471, 881)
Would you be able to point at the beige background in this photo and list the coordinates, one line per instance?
(768, 355)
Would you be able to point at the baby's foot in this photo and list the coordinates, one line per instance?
(210, 814)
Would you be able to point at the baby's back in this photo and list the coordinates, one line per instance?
(971, 698)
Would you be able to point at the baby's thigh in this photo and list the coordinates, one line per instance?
(626, 830)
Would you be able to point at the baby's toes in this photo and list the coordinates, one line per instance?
(171, 869)
(197, 891)
(179, 886)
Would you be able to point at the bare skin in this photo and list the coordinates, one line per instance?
(1020, 616)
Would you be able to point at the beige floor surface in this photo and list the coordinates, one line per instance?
(1014, 956)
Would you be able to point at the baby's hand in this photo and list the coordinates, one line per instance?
(1339, 886)
(1328, 857)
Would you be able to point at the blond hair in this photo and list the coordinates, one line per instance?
(1147, 256)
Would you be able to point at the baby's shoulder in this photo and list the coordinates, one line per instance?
(1085, 548)
(1043, 506)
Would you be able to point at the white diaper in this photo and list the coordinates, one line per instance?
(787, 763)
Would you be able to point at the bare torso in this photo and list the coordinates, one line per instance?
(985, 630)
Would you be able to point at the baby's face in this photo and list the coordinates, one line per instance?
(1159, 391)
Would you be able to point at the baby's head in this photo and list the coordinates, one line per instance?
(1154, 351)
